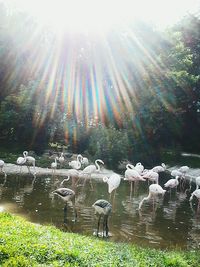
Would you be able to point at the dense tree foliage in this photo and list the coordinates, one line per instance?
(161, 108)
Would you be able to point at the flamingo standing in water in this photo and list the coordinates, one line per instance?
(91, 169)
(154, 190)
(151, 176)
(132, 176)
(103, 208)
(29, 160)
(61, 159)
(54, 166)
(66, 195)
(2, 163)
(196, 193)
(113, 183)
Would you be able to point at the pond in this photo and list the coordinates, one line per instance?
(173, 223)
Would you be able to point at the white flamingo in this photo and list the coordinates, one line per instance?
(159, 168)
(29, 160)
(61, 159)
(184, 169)
(76, 164)
(139, 167)
(196, 193)
(103, 208)
(21, 161)
(151, 176)
(154, 190)
(2, 163)
(54, 166)
(91, 169)
(113, 183)
(132, 175)
(172, 183)
(178, 173)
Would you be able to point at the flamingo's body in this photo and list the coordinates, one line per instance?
(76, 164)
(154, 190)
(175, 173)
(103, 208)
(172, 183)
(26, 160)
(151, 176)
(54, 165)
(91, 169)
(139, 168)
(132, 175)
(159, 168)
(184, 169)
(61, 159)
(113, 182)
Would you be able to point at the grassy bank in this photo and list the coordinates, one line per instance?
(26, 244)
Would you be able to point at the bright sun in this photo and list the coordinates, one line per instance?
(100, 15)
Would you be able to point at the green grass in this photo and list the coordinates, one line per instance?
(25, 244)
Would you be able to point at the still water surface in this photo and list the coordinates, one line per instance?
(172, 223)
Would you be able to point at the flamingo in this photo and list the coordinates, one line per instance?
(132, 176)
(184, 169)
(66, 195)
(29, 160)
(21, 161)
(139, 167)
(151, 176)
(91, 169)
(103, 208)
(61, 159)
(154, 190)
(113, 183)
(54, 166)
(76, 164)
(2, 163)
(172, 183)
(178, 173)
(196, 193)
(159, 168)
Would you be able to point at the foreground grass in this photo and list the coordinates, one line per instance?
(26, 244)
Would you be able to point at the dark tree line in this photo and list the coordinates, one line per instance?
(161, 108)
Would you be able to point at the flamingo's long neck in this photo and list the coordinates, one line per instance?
(25, 154)
(97, 165)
